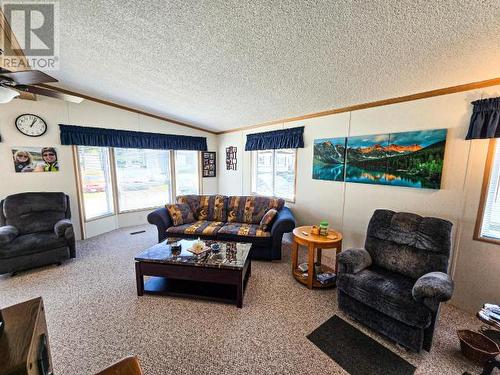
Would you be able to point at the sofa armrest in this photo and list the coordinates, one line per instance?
(433, 288)
(354, 260)
(283, 223)
(61, 226)
(7, 234)
(161, 219)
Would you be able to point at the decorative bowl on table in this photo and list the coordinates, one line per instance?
(215, 247)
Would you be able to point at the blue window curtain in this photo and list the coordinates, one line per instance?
(485, 119)
(89, 136)
(286, 138)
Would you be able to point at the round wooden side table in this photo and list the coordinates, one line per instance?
(313, 242)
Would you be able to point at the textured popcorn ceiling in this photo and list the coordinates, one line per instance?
(227, 64)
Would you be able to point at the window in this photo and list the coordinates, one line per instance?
(488, 220)
(136, 179)
(263, 177)
(187, 180)
(274, 173)
(143, 178)
(95, 180)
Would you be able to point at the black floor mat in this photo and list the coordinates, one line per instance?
(356, 352)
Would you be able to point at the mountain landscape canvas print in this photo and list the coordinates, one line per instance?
(411, 159)
(329, 159)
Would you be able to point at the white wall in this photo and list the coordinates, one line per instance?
(349, 206)
(87, 113)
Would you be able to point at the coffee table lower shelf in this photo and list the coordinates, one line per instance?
(164, 286)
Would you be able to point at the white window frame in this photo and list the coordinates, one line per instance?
(79, 187)
(254, 175)
(174, 173)
(489, 174)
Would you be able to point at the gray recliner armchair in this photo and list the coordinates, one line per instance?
(35, 230)
(397, 282)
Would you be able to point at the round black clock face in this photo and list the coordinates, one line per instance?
(31, 125)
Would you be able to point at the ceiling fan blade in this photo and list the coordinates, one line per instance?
(28, 77)
(50, 93)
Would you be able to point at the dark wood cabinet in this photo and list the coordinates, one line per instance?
(24, 343)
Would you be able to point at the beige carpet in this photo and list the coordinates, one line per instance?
(95, 317)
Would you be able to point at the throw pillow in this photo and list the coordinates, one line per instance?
(267, 219)
(180, 213)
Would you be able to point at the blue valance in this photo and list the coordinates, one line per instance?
(89, 136)
(286, 138)
(485, 119)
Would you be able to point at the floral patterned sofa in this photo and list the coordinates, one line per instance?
(259, 220)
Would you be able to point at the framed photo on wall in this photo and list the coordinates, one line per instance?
(209, 163)
(35, 159)
(231, 158)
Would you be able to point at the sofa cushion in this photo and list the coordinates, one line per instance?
(387, 292)
(267, 219)
(408, 243)
(200, 227)
(206, 207)
(251, 209)
(249, 233)
(180, 213)
(243, 229)
(34, 212)
(32, 243)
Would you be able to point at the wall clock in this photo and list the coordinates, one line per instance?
(31, 125)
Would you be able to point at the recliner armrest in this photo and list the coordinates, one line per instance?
(62, 226)
(354, 260)
(7, 234)
(433, 288)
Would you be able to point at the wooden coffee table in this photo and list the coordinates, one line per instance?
(314, 242)
(221, 277)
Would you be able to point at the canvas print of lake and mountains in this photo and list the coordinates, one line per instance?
(329, 159)
(411, 159)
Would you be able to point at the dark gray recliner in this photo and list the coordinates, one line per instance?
(396, 283)
(35, 230)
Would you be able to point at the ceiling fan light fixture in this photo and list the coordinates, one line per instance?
(7, 94)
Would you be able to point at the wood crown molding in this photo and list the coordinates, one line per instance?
(9, 43)
(378, 103)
